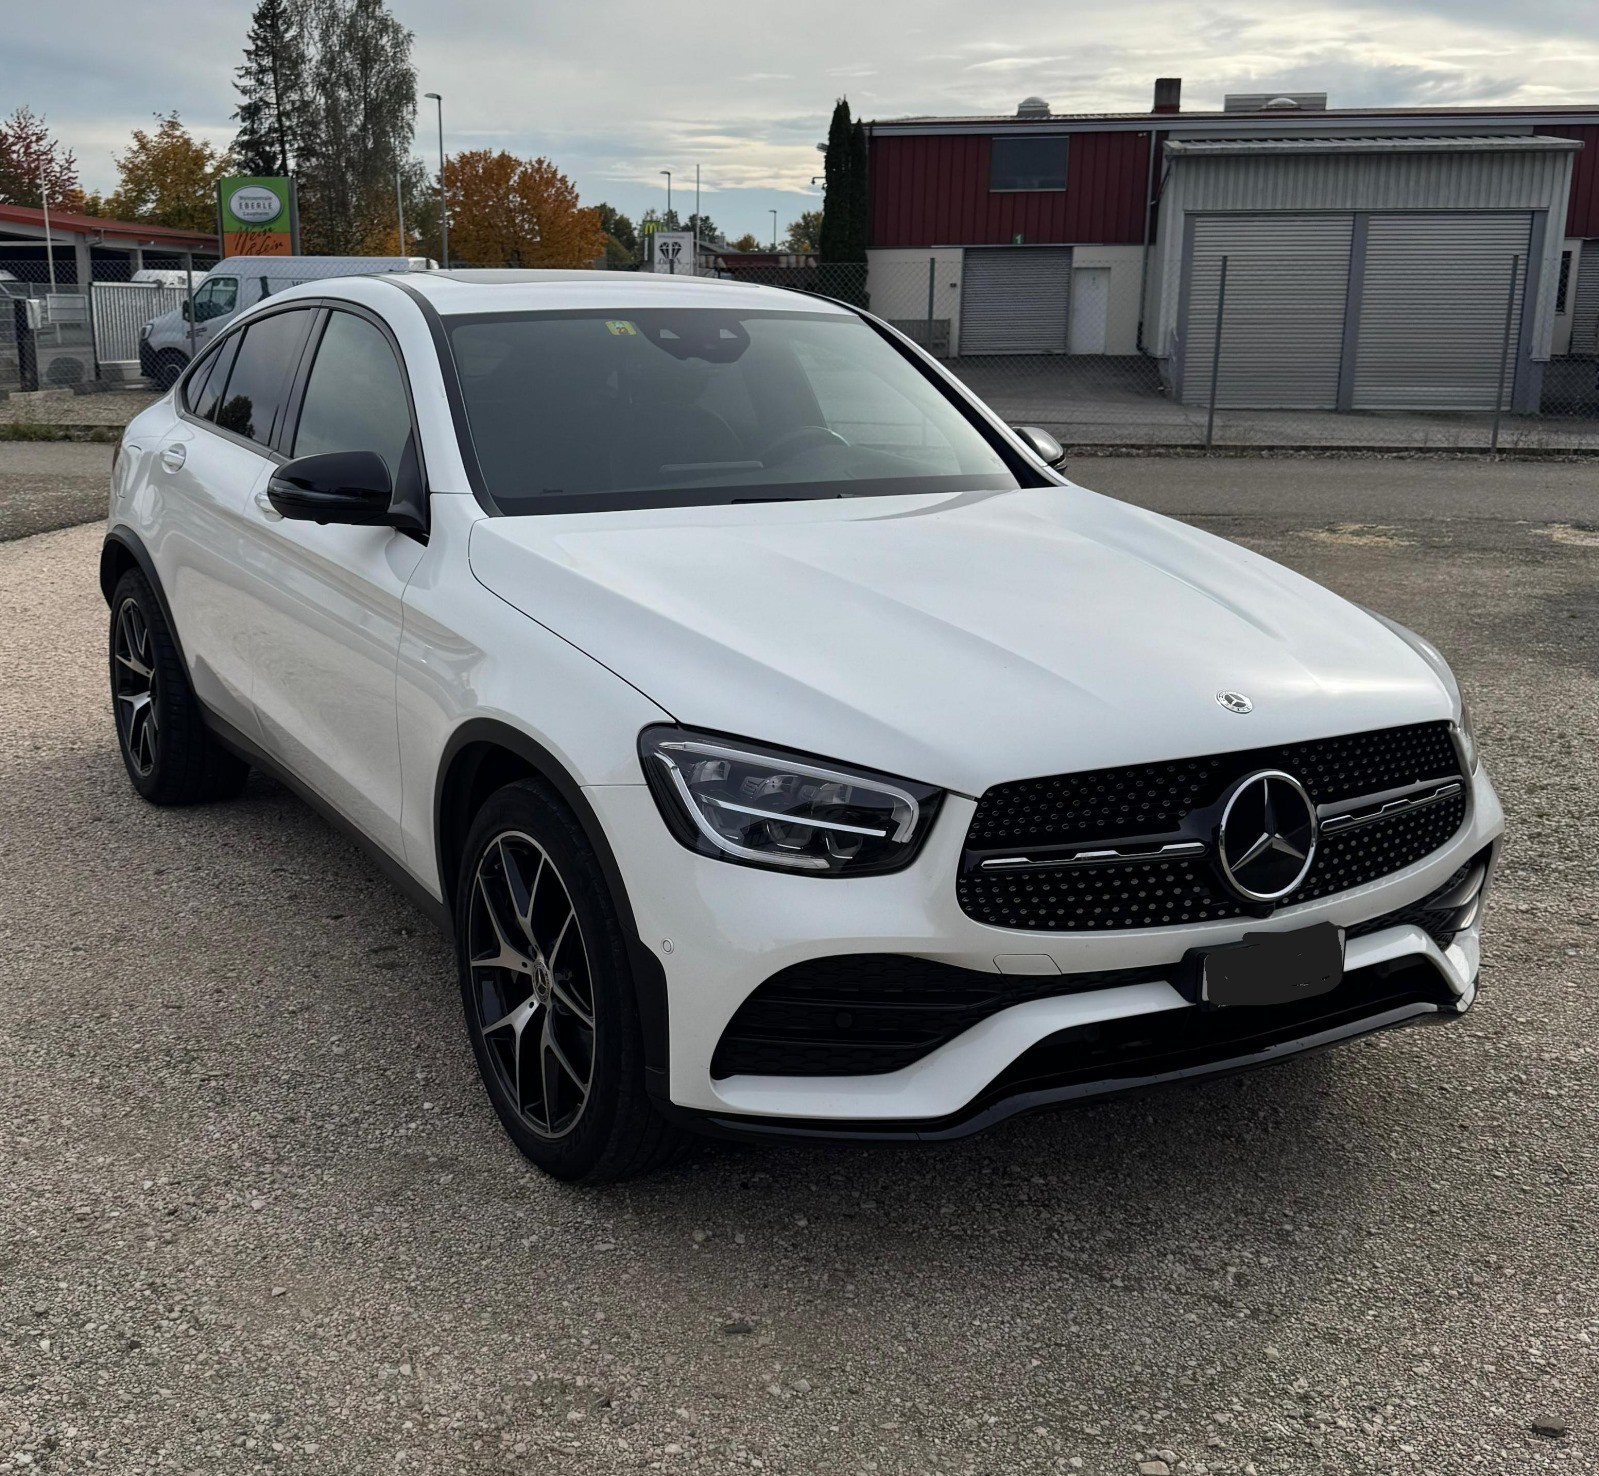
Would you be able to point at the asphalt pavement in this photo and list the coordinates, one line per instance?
(256, 1215)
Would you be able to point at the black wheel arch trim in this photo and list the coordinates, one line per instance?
(122, 541)
(649, 978)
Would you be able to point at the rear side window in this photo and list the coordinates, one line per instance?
(259, 380)
(355, 399)
(200, 393)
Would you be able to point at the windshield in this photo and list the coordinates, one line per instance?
(660, 407)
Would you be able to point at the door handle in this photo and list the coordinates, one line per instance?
(173, 457)
(264, 502)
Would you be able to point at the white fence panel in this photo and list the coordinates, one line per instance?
(121, 309)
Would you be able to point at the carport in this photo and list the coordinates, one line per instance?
(1361, 273)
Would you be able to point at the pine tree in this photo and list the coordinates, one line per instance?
(837, 202)
(859, 199)
(271, 90)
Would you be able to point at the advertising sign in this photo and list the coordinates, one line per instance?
(674, 252)
(259, 215)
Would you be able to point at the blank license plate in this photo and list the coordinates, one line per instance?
(1273, 968)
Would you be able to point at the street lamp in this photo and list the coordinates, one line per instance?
(773, 214)
(444, 208)
(668, 221)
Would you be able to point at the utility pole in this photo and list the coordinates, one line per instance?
(773, 214)
(49, 246)
(696, 220)
(444, 207)
(399, 210)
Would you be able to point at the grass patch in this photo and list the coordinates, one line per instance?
(39, 430)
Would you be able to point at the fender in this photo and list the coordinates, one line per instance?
(649, 979)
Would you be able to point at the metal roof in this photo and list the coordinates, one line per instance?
(1494, 143)
(122, 233)
(1299, 120)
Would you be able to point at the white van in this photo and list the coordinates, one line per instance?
(239, 282)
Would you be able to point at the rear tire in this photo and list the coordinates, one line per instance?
(170, 754)
(547, 990)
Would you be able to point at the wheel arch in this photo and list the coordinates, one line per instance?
(482, 756)
(122, 550)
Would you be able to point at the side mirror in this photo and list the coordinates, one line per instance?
(1043, 445)
(187, 311)
(351, 487)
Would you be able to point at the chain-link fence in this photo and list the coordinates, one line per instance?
(1251, 364)
(57, 333)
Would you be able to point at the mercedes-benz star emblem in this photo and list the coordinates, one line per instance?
(1235, 702)
(1267, 838)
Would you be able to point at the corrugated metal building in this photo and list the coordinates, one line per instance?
(1045, 233)
(1375, 273)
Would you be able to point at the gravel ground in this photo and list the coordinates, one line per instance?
(257, 1214)
(51, 484)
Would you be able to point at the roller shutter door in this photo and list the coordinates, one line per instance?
(1432, 310)
(1014, 300)
(1585, 308)
(1287, 286)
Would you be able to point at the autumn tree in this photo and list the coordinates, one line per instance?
(33, 164)
(168, 177)
(271, 87)
(805, 233)
(746, 242)
(511, 212)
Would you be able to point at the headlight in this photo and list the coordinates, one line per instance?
(144, 332)
(760, 806)
(1468, 738)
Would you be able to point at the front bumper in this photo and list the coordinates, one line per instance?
(718, 931)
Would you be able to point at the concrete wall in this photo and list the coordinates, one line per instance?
(896, 283)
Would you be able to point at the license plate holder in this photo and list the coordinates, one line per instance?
(1272, 968)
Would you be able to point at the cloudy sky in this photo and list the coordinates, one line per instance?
(616, 90)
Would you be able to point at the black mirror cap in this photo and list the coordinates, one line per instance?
(336, 487)
(1043, 445)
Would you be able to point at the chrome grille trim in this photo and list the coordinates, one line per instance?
(1369, 809)
(1104, 856)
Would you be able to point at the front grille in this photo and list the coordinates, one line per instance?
(1151, 801)
(866, 1013)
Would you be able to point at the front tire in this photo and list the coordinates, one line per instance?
(169, 753)
(548, 994)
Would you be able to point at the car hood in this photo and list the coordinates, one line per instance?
(961, 640)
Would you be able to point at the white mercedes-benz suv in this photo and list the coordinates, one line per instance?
(788, 747)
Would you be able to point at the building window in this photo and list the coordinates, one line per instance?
(1028, 162)
(1565, 283)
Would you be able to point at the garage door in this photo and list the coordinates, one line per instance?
(1014, 300)
(1283, 331)
(1432, 310)
(1585, 307)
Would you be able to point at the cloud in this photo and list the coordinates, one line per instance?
(616, 90)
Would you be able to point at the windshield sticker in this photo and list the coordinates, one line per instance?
(621, 328)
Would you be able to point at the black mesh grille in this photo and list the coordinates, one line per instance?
(1109, 805)
(866, 1013)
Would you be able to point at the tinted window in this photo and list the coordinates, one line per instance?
(581, 409)
(206, 387)
(355, 398)
(260, 376)
(1029, 162)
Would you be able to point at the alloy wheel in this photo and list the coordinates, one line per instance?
(134, 686)
(531, 983)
